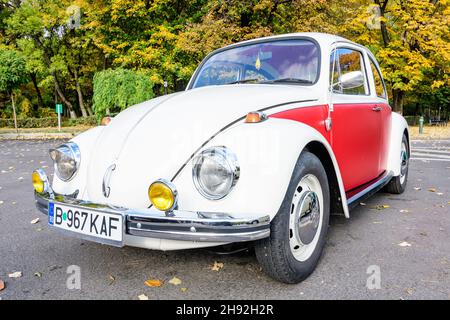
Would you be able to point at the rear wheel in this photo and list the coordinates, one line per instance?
(397, 185)
(298, 231)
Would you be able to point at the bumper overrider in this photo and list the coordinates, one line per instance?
(173, 225)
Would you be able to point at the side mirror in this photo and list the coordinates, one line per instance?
(351, 80)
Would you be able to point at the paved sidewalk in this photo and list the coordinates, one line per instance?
(37, 135)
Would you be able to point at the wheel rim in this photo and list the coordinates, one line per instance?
(306, 217)
(404, 163)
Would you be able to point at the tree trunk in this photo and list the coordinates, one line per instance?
(63, 97)
(397, 97)
(384, 32)
(80, 94)
(89, 110)
(38, 92)
(14, 112)
(53, 73)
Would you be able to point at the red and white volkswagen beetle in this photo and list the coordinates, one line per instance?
(270, 137)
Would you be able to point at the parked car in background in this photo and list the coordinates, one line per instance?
(270, 137)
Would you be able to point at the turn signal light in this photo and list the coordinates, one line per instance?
(163, 195)
(105, 121)
(255, 117)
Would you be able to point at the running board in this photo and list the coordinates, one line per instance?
(353, 201)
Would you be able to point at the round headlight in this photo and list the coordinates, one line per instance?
(66, 159)
(215, 172)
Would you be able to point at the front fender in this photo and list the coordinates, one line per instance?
(267, 153)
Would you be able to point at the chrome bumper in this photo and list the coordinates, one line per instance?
(175, 225)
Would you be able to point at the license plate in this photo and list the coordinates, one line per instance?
(94, 225)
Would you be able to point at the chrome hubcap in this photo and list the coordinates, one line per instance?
(305, 217)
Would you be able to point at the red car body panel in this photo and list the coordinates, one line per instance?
(359, 137)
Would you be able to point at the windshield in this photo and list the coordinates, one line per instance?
(282, 61)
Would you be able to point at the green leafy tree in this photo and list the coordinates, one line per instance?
(12, 74)
(116, 90)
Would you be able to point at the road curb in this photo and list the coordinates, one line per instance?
(36, 136)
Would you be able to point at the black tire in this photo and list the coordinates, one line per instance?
(274, 253)
(396, 186)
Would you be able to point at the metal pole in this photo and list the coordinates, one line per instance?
(59, 121)
(421, 125)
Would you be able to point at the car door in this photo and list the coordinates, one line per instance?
(356, 121)
(379, 94)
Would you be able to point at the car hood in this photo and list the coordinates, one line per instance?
(154, 139)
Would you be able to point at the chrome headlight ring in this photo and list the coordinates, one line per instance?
(215, 172)
(67, 155)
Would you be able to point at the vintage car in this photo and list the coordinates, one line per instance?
(270, 137)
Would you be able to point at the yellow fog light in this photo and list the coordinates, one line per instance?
(163, 195)
(40, 181)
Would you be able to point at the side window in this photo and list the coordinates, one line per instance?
(343, 61)
(379, 85)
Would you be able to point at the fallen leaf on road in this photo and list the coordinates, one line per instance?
(34, 221)
(216, 266)
(1, 202)
(381, 206)
(404, 211)
(39, 229)
(362, 204)
(143, 297)
(409, 291)
(424, 234)
(377, 222)
(111, 279)
(2, 285)
(417, 188)
(38, 274)
(439, 193)
(432, 189)
(153, 283)
(175, 281)
(404, 244)
(16, 274)
(184, 289)
(20, 178)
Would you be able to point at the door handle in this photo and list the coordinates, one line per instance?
(377, 109)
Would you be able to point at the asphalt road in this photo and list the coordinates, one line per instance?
(409, 241)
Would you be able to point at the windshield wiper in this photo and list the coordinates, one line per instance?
(244, 81)
(289, 80)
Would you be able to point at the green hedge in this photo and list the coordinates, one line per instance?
(87, 121)
(47, 122)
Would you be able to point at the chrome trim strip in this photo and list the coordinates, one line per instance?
(174, 225)
(373, 188)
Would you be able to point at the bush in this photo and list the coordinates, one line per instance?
(48, 122)
(86, 121)
(30, 123)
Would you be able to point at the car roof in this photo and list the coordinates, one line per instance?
(324, 39)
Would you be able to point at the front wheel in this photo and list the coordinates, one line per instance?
(298, 231)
